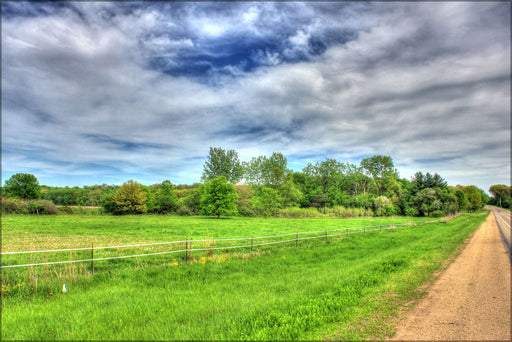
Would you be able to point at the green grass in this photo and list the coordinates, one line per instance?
(20, 232)
(347, 288)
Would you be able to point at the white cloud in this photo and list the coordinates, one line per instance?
(415, 83)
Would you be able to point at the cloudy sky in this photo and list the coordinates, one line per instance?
(99, 92)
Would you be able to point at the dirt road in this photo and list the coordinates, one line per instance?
(471, 299)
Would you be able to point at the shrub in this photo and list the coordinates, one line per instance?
(183, 210)
(437, 213)
(12, 206)
(392, 210)
(343, 212)
(65, 210)
(19, 206)
(300, 213)
(410, 211)
(267, 202)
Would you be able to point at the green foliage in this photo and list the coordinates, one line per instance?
(437, 213)
(267, 202)
(360, 201)
(223, 163)
(22, 185)
(166, 200)
(409, 211)
(245, 195)
(270, 172)
(149, 202)
(24, 206)
(321, 185)
(426, 201)
(219, 198)
(189, 201)
(128, 199)
(501, 195)
(381, 204)
(476, 197)
(421, 181)
(76, 196)
(343, 212)
(462, 200)
(289, 193)
(300, 213)
(379, 168)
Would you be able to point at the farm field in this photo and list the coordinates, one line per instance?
(348, 287)
(31, 232)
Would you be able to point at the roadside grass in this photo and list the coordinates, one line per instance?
(348, 288)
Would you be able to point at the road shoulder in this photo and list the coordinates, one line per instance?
(471, 299)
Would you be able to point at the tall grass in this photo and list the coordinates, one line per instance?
(334, 212)
(346, 288)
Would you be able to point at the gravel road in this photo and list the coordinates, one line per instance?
(471, 300)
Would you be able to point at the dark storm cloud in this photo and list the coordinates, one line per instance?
(111, 91)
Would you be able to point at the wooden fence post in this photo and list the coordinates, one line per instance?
(251, 242)
(186, 249)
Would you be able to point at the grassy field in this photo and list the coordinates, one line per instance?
(349, 287)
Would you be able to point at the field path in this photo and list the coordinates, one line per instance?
(471, 299)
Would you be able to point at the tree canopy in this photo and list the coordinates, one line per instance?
(129, 199)
(267, 187)
(219, 198)
(23, 185)
(223, 163)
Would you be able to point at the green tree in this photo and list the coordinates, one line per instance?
(270, 172)
(128, 199)
(421, 181)
(476, 197)
(166, 200)
(245, 194)
(462, 200)
(23, 185)
(384, 207)
(379, 168)
(289, 193)
(219, 198)
(267, 202)
(275, 169)
(254, 170)
(223, 163)
(501, 195)
(426, 201)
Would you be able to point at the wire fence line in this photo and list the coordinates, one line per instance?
(188, 244)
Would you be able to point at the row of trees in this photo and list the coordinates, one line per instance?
(264, 186)
(374, 184)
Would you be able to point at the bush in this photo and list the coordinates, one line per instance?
(437, 213)
(183, 210)
(13, 206)
(65, 210)
(300, 213)
(343, 212)
(392, 210)
(19, 206)
(409, 211)
(267, 202)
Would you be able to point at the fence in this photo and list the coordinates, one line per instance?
(185, 246)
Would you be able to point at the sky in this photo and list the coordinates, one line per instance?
(105, 92)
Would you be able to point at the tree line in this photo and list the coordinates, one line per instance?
(264, 186)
